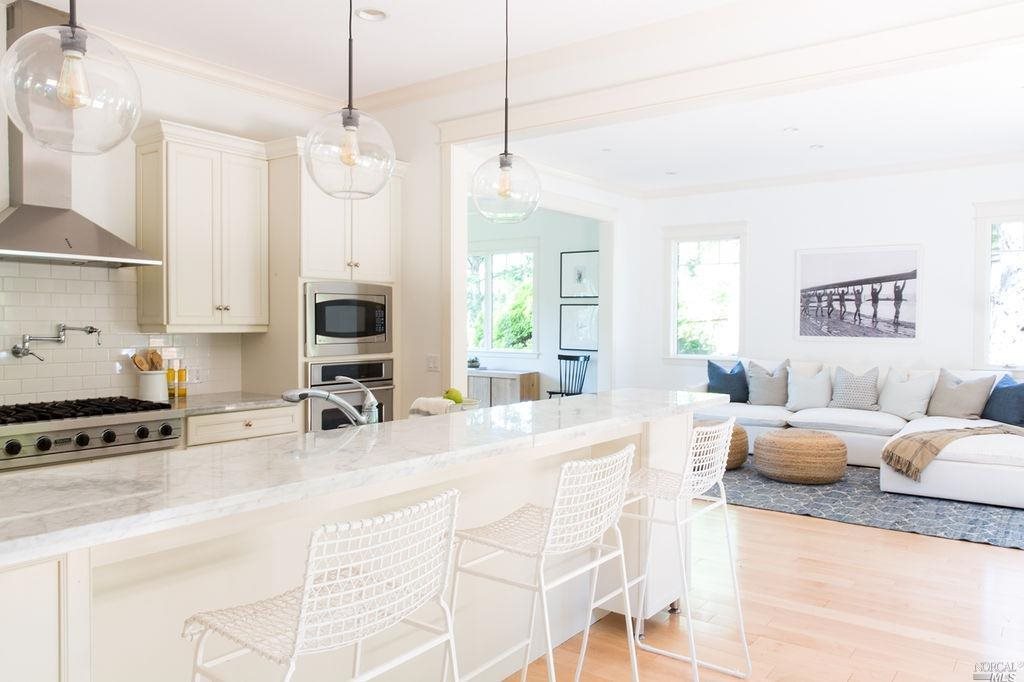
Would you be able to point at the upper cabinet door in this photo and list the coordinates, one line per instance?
(325, 251)
(371, 229)
(244, 239)
(193, 235)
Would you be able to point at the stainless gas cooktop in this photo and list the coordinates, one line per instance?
(34, 434)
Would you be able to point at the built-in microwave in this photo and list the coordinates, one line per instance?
(348, 318)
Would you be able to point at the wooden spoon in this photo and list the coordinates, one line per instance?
(156, 361)
(141, 362)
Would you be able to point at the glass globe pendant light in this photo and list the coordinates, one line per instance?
(70, 90)
(348, 154)
(506, 188)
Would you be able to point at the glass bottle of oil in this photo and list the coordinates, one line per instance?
(182, 382)
(172, 383)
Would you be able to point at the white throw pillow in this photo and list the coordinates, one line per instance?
(906, 396)
(808, 392)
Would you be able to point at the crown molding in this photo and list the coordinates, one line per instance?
(218, 74)
(179, 132)
(836, 176)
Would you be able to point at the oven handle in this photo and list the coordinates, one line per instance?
(327, 387)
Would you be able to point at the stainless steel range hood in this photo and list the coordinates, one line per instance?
(40, 226)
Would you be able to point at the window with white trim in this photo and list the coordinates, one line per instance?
(1000, 242)
(501, 313)
(706, 284)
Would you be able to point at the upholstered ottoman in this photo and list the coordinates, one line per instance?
(800, 456)
(739, 446)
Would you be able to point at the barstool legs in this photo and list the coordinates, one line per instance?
(736, 585)
(529, 638)
(590, 616)
(686, 595)
(546, 615)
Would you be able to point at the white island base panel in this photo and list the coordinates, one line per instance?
(98, 584)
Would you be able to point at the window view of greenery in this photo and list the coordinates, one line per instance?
(1006, 295)
(499, 301)
(708, 297)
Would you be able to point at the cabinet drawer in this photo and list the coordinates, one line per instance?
(217, 428)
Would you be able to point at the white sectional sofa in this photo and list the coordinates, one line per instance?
(987, 469)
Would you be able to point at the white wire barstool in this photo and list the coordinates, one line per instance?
(703, 470)
(587, 505)
(362, 577)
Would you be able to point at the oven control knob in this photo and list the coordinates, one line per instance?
(12, 447)
(82, 439)
(166, 430)
(108, 436)
(142, 433)
(43, 444)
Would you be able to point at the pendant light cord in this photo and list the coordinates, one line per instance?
(73, 15)
(506, 77)
(349, 53)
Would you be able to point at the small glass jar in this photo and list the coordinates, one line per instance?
(172, 383)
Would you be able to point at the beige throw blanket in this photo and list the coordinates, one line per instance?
(910, 454)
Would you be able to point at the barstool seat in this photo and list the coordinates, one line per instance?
(520, 532)
(656, 483)
(265, 627)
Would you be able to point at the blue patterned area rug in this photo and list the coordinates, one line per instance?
(857, 499)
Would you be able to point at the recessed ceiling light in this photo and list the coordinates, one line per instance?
(816, 147)
(606, 149)
(791, 129)
(371, 14)
(670, 173)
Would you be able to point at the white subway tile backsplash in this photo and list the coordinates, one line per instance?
(34, 298)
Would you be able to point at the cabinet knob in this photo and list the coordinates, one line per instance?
(220, 307)
(227, 307)
(247, 424)
(356, 264)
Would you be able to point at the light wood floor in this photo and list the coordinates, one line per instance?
(830, 601)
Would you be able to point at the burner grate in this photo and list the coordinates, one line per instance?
(71, 409)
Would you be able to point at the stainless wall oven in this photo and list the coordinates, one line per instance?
(377, 375)
(348, 318)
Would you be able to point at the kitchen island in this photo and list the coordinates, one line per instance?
(101, 561)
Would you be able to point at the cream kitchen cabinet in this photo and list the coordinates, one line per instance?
(343, 239)
(202, 209)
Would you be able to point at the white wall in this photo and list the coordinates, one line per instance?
(551, 232)
(934, 210)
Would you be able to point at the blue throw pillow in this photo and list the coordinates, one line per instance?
(733, 382)
(1006, 404)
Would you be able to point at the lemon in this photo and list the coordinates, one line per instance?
(454, 395)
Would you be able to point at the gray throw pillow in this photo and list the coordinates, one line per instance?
(855, 392)
(767, 388)
(954, 397)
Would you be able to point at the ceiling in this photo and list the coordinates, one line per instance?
(303, 42)
(966, 110)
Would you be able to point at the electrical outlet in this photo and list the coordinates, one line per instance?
(433, 363)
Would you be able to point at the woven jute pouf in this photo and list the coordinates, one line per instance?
(800, 456)
(739, 446)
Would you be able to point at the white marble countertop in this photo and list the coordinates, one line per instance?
(48, 511)
(230, 401)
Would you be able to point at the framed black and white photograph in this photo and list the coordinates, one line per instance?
(579, 274)
(578, 329)
(869, 292)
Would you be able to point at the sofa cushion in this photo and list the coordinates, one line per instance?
(732, 382)
(1006, 404)
(906, 395)
(960, 398)
(767, 387)
(1000, 449)
(855, 391)
(844, 419)
(807, 392)
(748, 415)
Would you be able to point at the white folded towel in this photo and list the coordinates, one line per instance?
(426, 407)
